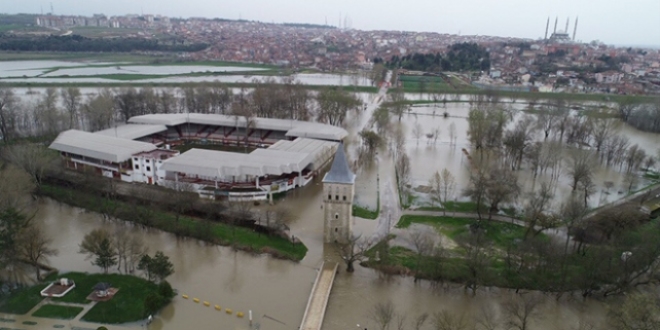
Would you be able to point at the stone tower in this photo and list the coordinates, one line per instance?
(338, 191)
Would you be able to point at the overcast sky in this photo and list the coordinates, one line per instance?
(620, 22)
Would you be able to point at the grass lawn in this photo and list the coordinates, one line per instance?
(22, 300)
(125, 306)
(128, 303)
(466, 207)
(365, 213)
(215, 232)
(500, 233)
(58, 312)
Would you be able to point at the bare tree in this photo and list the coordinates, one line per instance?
(397, 102)
(444, 320)
(383, 314)
(423, 243)
(354, 250)
(72, 100)
(15, 184)
(417, 131)
(452, 133)
(34, 159)
(546, 121)
(443, 185)
(537, 206)
(35, 247)
(7, 114)
(402, 169)
(181, 197)
(603, 130)
(580, 167)
(420, 321)
(520, 310)
(136, 249)
(99, 111)
(476, 188)
(517, 140)
(639, 312)
(501, 186)
(487, 319)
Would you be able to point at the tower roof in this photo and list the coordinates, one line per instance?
(339, 171)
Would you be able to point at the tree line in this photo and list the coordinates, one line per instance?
(56, 110)
(77, 43)
(459, 57)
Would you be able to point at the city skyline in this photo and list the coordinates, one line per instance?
(617, 23)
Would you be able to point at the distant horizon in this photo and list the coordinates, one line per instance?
(635, 22)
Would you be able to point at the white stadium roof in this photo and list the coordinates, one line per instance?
(99, 146)
(219, 164)
(132, 131)
(294, 128)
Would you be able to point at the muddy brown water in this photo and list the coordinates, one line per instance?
(277, 290)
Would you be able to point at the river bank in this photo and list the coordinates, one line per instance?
(250, 240)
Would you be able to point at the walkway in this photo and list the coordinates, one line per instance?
(318, 299)
(44, 323)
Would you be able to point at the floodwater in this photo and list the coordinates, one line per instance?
(30, 68)
(146, 70)
(277, 290)
(428, 156)
(321, 79)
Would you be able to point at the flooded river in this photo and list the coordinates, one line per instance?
(276, 290)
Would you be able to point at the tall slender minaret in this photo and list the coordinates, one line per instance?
(555, 31)
(566, 29)
(575, 28)
(547, 25)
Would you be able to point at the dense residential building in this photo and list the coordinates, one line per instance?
(517, 64)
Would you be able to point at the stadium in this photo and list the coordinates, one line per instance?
(216, 156)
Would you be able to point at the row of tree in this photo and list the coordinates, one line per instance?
(460, 57)
(77, 43)
(56, 110)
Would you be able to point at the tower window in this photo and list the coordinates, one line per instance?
(335, 229)
(329, 197)
(337, 197)
(336, 215)
(137, 167)
(344, 198)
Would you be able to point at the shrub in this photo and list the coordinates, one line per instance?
(165, 290)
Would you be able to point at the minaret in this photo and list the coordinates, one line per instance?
(338, 192)
(547, 25)
(555, 31)
(566, 29)
(575, 28)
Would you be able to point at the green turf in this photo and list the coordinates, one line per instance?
(215, 232)
(365, 213)
(58, 312)
(125, 306)
(21, 301)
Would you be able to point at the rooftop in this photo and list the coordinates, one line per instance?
(340, 172)
(281, 158)
(133, 131)
(294, 128)
(98, 146)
